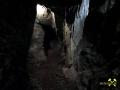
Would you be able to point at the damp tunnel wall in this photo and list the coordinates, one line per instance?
(73, 36)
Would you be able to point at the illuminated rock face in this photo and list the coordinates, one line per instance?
(95, 45)
(72, 39)
(74, 35)
(42, 16)
(41, 11)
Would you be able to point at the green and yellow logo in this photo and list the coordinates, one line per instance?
(110, 82)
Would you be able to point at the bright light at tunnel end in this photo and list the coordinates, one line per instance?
(40, 10)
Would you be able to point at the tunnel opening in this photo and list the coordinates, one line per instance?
(46, 19)
(47, 64)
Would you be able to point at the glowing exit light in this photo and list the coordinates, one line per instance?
(40, 10)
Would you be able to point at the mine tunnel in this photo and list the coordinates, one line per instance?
(59, 45)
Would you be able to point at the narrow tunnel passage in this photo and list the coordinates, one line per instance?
(46, 72)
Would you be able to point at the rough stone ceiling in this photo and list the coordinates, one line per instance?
(60, 3)
(60, 7)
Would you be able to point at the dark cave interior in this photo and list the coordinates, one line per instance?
(98, 53)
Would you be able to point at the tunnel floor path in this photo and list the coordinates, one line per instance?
(46, 72)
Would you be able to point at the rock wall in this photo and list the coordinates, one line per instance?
(74, 35)
(94, 44)
(96, 52)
